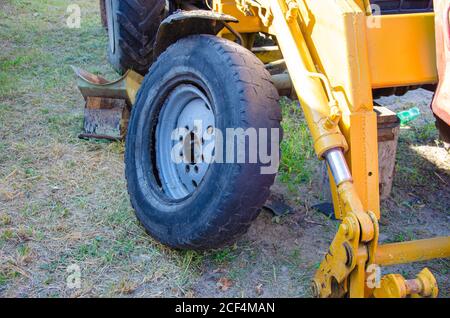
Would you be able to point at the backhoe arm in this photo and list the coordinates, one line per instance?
(323, 114)
(326, 48)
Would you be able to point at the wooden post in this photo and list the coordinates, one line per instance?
(388, 131)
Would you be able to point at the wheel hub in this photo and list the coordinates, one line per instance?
(184, 141)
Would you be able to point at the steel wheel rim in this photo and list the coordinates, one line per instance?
(184, 141)
(111, 25)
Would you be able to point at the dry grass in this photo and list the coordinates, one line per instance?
(63, 201)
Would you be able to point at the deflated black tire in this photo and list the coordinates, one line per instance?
(229, 88)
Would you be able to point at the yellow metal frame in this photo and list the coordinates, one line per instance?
(336, 53)
(402, 51)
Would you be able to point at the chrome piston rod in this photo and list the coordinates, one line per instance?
(338, 166)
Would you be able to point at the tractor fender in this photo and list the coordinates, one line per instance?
(185, 23)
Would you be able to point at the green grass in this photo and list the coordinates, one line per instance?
(189, 263)
(54, 47)
(425, 133)
(6, 234)
(402, 236)
(7, 275)
(70, 201)
(223, 256)
(23, 250)
(296, 149)
(3, 279)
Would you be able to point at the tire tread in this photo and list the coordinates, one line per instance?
(248, 73)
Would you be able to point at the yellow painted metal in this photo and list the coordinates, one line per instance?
(358, 275)
(402, 50)
(360, 129)
(249, 22)
(414, 251)
(396, 286)
(391, 286)
(335, 32)
(351, 204)
(336, 53)
(133, 83)
(317, 98)
(330, 279)
(356, 55)
(125, 87)
(425, 285)
(349, 251)
(313, 97)
(363, 5)
(268, 54)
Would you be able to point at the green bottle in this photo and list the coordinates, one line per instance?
(408, 115)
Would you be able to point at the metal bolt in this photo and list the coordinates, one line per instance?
(347, 225)
(315, 289)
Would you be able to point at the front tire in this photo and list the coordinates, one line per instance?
(225, 86)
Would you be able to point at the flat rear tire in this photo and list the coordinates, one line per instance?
(132, 27)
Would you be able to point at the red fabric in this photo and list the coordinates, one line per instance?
(441, 101)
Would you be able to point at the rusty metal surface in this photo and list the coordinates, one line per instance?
(93, 85)
(105, 118)
(108, 104)
(184, 23)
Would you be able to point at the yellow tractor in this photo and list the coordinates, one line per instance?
(202, 140)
